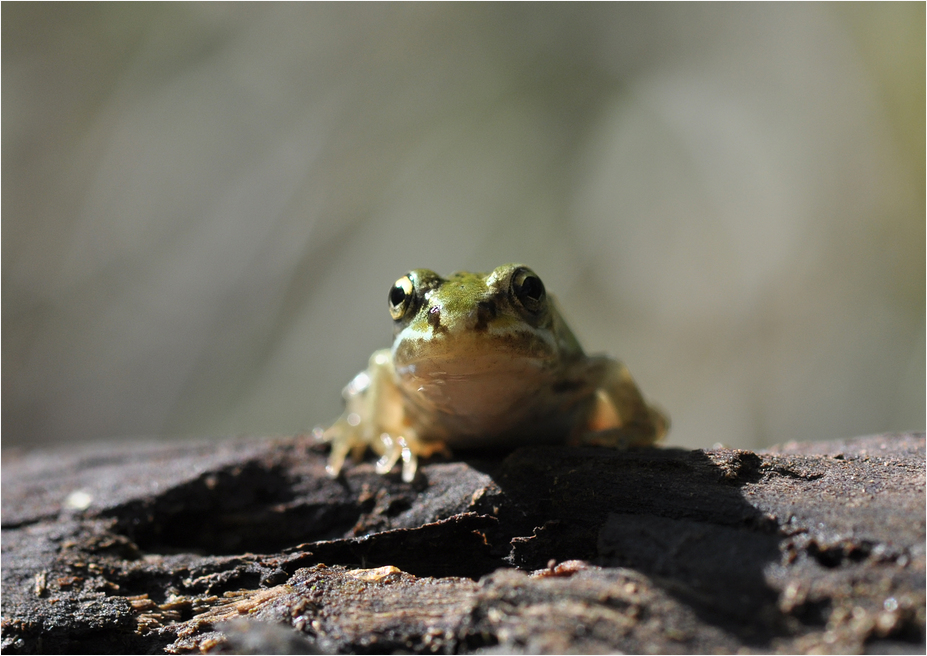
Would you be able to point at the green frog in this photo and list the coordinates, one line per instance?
(484, 361)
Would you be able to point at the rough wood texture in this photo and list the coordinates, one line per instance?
(248, 547)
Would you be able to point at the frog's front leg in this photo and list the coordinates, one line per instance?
(621, 417)
(373, 418)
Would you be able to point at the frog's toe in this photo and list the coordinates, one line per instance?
(409, 464)
(392, 451)
(340, 449)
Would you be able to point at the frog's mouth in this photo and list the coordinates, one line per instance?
(475, 369)
(493, 345)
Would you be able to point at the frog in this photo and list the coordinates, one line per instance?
(484, 361)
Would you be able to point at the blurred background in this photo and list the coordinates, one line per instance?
(204, 205)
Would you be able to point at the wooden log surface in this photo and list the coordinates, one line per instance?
(247, 546)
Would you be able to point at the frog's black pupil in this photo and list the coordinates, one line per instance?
(532, 288)
(396, 296)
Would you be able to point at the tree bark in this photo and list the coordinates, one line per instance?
(248, 547)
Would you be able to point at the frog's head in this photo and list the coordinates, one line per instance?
(472, 323)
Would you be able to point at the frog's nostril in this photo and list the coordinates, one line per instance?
(434, 317)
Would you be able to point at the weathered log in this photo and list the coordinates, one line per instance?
(247, 546)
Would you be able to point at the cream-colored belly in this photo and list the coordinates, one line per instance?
(487, 401)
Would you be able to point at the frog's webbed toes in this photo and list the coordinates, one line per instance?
(343, 440)
(393, 450)
(347, 437)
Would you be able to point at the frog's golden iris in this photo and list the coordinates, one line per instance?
(484, 361)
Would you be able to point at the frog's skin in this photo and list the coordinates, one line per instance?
(484, 361)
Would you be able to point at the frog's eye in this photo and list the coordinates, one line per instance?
(400, 297)
(528, 289)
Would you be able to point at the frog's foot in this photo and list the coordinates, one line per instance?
(393, 450)
(344, 439)
(408, 448)
(624, 425)
(620, 418)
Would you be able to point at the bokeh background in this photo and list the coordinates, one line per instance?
(204, 205)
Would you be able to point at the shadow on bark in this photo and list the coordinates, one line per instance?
(679, 517)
